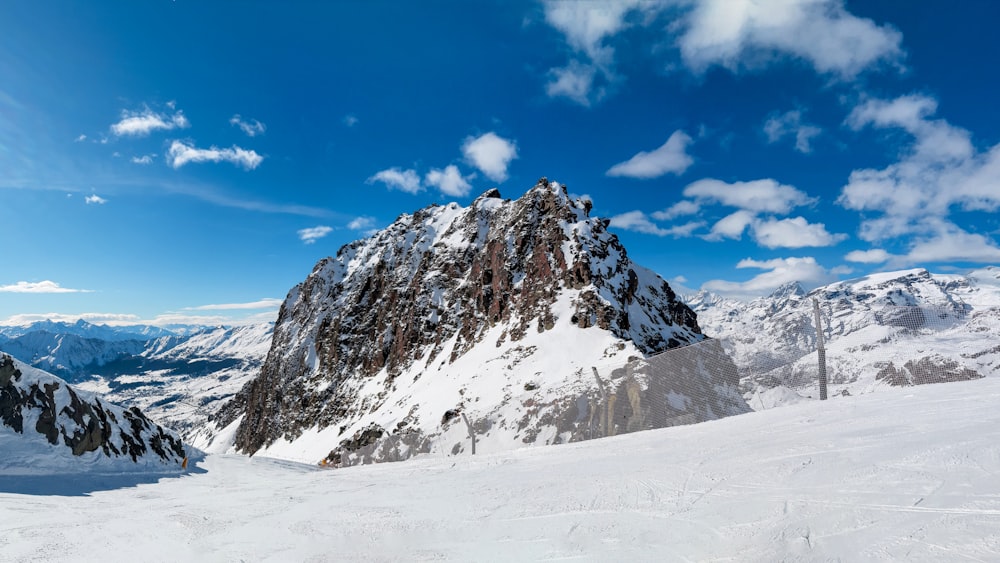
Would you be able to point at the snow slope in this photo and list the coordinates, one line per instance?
(907, 476)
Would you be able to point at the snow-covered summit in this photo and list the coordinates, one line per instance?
(487, 309)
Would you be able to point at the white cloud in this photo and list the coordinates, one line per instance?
(587, 26)
(679, 209)
(81, 138)
(735, 34)
(952, 244)
(394, 178)
(873, 256)
(312, 234)
(574, 81)
(142, 123)
(671, 157)
(95, 199)
(744, 33)
(793, 233)
(266, 303)
(181, 153)
(779, 271)
(638, 222)
(361, 223)
(350, 120)
(491, 154)
(46, 286)
(731, 226)
(144, 159)
(790, 123)
(450, 181)
(940, 171)
(762, 196)
(251, 127)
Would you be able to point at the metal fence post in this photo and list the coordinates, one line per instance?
(820, 351)
(472, 433)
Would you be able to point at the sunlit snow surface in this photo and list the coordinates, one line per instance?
(910, 475)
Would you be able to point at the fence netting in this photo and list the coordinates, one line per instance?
(777, 363)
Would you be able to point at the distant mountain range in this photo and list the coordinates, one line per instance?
(85, 329)
(888, 329)
(180, 378)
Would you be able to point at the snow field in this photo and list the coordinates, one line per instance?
(905, 475)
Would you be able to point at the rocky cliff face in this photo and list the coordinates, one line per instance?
(456, 309)
(42, 408)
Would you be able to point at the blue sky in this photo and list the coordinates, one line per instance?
(179, 161)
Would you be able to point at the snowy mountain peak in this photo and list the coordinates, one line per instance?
(790, 290)
(500, 291)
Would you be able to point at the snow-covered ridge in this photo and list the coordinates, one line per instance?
(490, 310)
(48, 426)
(891, 328)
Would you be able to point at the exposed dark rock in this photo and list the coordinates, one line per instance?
(63, 416)
(431, 286)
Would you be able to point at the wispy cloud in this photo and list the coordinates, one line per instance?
(251, 127)
(395, 178)
(639, 222)
(181, 153)
(762, 196)
(449, 181)
(758, 204)
(671, 157)
(350, 120)
(778, 271)
(212, 194)
(312, 234)
(80, 139)
(588, 27)
(95, 199)
(361, 223)
(734, 34)
(491, 154)
(576, 82)
(795, 232)
(790, 123)
(872, 256)
(144, 159)
(266, 303)
(142, 123)
(46, 286)
(939, 172)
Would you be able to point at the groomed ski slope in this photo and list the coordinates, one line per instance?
(912, 474)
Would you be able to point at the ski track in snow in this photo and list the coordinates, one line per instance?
(907, 476)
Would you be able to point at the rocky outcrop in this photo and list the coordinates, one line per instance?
(438, 288)
(37, 405)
